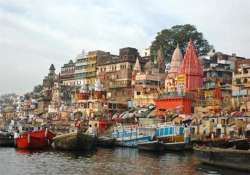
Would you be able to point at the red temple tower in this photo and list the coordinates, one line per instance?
(191, 68)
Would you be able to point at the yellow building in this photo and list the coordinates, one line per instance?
(85, 68)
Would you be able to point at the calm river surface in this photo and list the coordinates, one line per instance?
(103, 161)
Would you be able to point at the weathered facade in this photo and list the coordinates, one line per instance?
(115, 73)
(67, 74)
(147, 83)
(85, 68)
(241, 86)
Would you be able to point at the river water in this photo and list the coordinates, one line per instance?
(118, 161)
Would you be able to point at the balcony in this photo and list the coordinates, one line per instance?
(120, 84)
(245, 75)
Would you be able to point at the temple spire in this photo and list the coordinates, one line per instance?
(192, 68)
(137, 66)
(175, 62)
(161, 60)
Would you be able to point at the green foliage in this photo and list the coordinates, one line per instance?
(168, 39)
(38, 88)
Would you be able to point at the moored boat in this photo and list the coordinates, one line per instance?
(105, 142)
(154, 146)
(76, 141)
(131, 136)
(174, 137)
(177, 146)
(6, 139)
(230, 158)
(39, 139)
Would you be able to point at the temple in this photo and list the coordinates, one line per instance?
(175, 62)
(182, 83)
(191, 69)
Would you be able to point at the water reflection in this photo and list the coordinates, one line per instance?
(104, 161)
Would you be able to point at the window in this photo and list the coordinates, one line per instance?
(223, 121)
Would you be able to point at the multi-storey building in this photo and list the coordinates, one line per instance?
(216, 90)
(217, 80)
(241, 85)
(85, 68)
(147, 83)
(115, 73)
(67, 74)
(48, 81)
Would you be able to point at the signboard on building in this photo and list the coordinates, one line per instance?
(180, 83)
(181, 78)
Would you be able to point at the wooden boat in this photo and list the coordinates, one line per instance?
(229, 158)
(6, 139)
(154, 146)
(77, 141)
(35, 139)
(106, 142)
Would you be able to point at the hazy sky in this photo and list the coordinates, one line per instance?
(36, 33)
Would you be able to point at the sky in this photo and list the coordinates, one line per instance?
(36, 33)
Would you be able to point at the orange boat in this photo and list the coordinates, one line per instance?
(35, 139)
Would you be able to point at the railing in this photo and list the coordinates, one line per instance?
(176, 94)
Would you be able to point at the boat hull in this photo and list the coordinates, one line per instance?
(35, 140)
(74, 142)
(7, 140)
(230, 158)
(106, 142)
(177, 146)
(154, 146)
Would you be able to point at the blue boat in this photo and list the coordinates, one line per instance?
(174, 137)
(168, 137)
(169, 131)
(132, 136)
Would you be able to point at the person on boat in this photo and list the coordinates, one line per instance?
(90, 130)
(95, 130)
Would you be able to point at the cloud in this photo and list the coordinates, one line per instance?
(36, 33)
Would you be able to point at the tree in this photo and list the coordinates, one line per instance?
(167, 40)
(38, 88)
